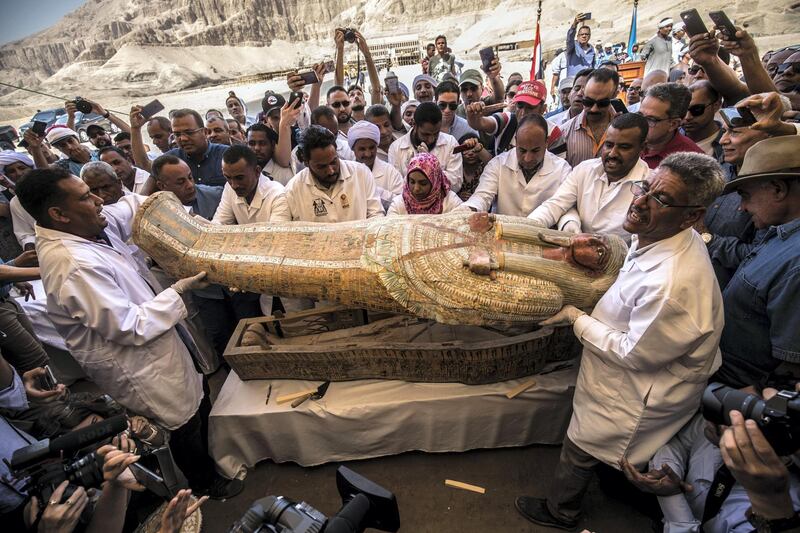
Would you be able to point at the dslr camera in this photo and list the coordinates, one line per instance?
(350, 35)
(82, 105)
(364, 505)
(778, 418)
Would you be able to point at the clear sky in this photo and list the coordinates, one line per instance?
(20, 18)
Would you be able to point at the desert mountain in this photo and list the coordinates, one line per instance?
(155, 46)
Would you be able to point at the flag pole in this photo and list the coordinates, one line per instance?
(632, 34)
(536, 59)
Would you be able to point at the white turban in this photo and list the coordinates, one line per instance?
(363, 129)
(59, 133)
(10, 156)
(664, 23)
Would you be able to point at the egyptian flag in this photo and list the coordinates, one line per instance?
(536, 61)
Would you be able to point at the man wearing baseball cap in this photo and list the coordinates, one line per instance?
(271, 105)
(762, 326)
(98, 136)
(530, 99)
(472, 88)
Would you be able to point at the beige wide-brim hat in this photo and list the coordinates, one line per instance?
(772, 158)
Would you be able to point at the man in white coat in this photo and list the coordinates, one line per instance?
(426, 136)
(123, 330)
(595, 196)
(330, 189)
(522, 178)
(649, 345)
(364, 138)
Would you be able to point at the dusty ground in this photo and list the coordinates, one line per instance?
(426, 504)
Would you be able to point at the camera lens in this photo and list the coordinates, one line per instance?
(83, 106)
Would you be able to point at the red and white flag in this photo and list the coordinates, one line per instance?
(536, 60)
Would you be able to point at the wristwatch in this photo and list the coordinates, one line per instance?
(765, 525)
(707, 237)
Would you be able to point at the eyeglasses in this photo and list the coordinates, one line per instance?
(187, 133)
(590, 102)
(783, 67)
(652, 121)
(634, 89)
(642, 188)
(445, 105)
(337, 105)
(698, 109)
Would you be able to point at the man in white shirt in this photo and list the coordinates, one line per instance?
(124, 331)
(596, 195)
(249, 195)
(364, 138)
(325, 117)
(134, 179)
(651, 342)
(330, 189)
(426, 136)
(522, 178)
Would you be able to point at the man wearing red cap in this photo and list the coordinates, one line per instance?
(584, 135)
(530, 98)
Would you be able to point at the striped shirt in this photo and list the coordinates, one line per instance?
(581, 144)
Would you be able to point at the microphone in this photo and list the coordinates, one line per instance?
(69, 443)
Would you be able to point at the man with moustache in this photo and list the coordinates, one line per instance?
(633, 95)
(364, 137)
(217, 131)
(699, 124)
(98, 136)
(519, 180)
(650, 344)
(339, 103)
(761, 322)
(262, 140)
(159, 129)
(584, 135)
(426, 136)
(330, 189)
(579, 54)
(204, 158)
(134, 179)
(357, 102)
(596, 194)
(657, 52)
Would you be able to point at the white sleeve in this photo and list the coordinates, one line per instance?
(374, 205)
(22, 222)
(123, 212)
(394, 157)
(660, 330)
(455, 168)
(279, 211)
(486, 191)
(224, 214)
(570, 216)
(451, 202)
(565, 198)
(94, 298)
(394, 208)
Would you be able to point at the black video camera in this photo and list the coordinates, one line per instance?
(47, 463)
(350, 35)
(364, 505)
(778, 418)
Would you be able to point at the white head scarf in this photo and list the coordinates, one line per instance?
(363, 129)
(10, 156)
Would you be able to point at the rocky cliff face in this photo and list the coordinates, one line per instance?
(104, 33)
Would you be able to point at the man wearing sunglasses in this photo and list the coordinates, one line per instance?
(787, 75)
(650, 344)
(633, 94)
(699, 124)
(447, 96)
(664, 106)
(339, 101)
(585, 134)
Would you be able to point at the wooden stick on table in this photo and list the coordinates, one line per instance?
(520, 388)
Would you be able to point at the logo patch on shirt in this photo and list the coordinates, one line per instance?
(319, 207)
(345, 201)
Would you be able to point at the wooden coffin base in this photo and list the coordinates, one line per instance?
(339, 344)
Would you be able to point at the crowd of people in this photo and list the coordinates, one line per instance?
(699, 171)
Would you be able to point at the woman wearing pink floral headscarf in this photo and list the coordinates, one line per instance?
(427, 189)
